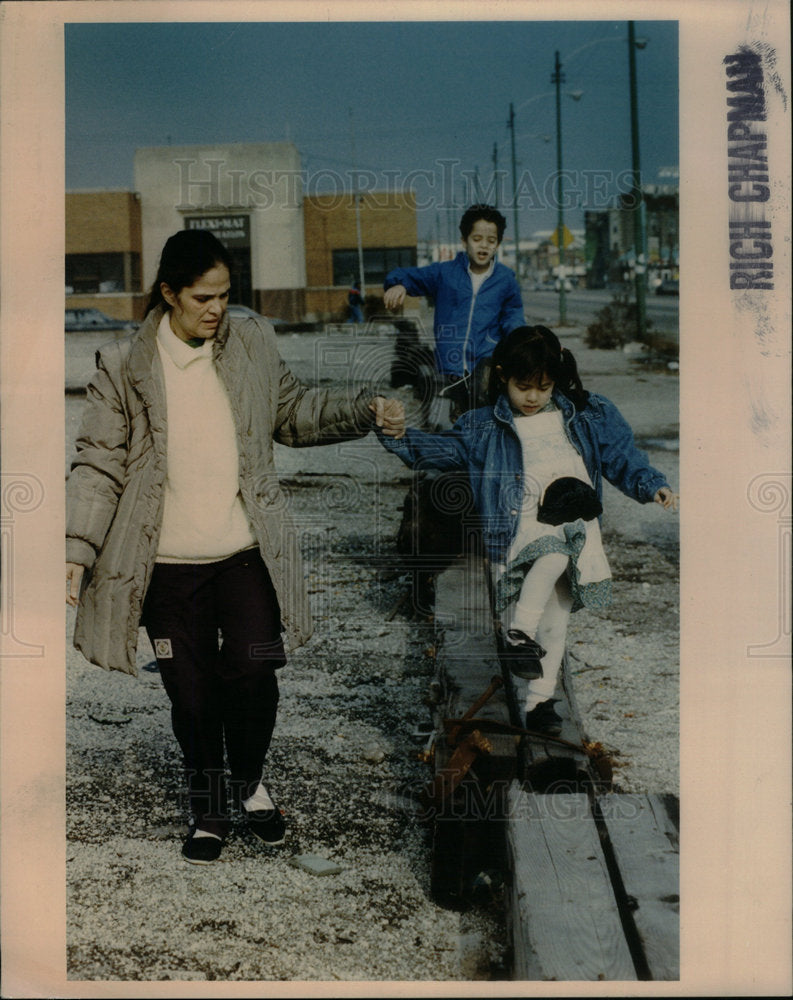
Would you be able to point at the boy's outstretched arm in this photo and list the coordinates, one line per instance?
(414, 281)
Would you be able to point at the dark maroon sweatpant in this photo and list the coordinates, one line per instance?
(216, 632)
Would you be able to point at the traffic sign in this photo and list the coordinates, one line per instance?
(568, 237)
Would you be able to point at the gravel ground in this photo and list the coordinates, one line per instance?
(344, 756)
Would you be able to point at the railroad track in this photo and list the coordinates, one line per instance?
(589, 875)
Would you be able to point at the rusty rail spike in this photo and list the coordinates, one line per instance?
(458, 765)
(495, 683)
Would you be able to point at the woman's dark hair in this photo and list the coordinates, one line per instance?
(185, 257)
(485, 212)
(531, 351)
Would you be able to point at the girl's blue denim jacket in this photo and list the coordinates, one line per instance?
(484, 441)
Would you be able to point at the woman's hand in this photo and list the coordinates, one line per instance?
(394, 296)
(74, 577)
(667, 499)
(390, 415)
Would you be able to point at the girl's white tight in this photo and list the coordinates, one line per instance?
(543, 611)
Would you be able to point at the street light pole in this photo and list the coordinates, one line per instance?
(356, 198)
(640, 275)
(558, 79)
(495, 173)
(511, 124)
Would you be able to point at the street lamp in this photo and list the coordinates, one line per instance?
(576, 95)
(511, 127)
(557, 77)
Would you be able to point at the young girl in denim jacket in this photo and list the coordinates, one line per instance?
(536, 460)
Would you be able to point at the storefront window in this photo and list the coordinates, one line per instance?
(377, 262)
(102, 272)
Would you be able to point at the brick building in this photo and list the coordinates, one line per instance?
(293, 255)
(103, 252)
(388, 238)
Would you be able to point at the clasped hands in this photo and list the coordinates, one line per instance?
(389, 414)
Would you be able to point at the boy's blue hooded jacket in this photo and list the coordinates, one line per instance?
(467, 327)
(484, 441)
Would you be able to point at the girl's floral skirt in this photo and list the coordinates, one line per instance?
(587, 570)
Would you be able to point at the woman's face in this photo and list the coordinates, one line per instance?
(196, 311)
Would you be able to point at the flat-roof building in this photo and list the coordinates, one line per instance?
(294, 254)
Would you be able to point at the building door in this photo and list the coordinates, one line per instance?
(241, 291)
(234, 232)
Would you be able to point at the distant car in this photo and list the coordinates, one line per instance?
(241, 312)
(668, 287)
(236, 311)
(85, 318)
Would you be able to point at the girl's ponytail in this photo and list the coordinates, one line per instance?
(572, 387)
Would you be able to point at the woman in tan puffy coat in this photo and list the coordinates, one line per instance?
(175, 521)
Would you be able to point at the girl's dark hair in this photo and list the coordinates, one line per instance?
(530, 351)
(485, 212)
(185, 257)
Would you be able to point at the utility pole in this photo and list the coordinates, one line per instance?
(558, 78)
(511, 126)
(495, 173)
(640, 274)
(477, 187)
(357, 204)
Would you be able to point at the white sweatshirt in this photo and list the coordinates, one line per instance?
(204, 518)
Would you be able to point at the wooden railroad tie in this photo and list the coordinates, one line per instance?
(590, 875)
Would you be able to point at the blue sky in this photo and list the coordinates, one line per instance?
(402, 97)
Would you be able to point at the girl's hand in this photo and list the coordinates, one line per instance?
(667, 499)
(394, 296)
(74, 577)
(390, 415)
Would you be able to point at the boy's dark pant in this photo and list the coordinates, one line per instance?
(215, 629)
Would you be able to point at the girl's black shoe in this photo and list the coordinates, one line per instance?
(543, 719)
(523, 654)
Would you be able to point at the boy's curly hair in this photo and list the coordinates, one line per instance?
(486, 212)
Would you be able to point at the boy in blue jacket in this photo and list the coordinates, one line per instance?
(477, 299)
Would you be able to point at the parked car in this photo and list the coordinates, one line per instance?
(668, 287)
(86, 318)
(237, 311)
